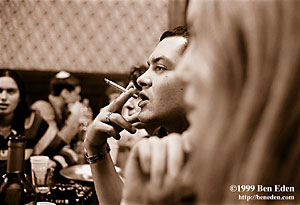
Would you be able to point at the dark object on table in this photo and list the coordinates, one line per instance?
(68, 194)
(15, 186)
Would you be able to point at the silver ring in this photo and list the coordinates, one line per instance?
(107, 117)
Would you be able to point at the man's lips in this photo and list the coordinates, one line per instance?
(142, 103)
(144, 99)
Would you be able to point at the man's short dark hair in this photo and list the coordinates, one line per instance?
(178, 31)
(58, 84)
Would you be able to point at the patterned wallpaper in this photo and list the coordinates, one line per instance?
(93, 36)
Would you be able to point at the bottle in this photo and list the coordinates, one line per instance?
(15, 187)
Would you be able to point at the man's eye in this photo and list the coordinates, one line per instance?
(160, 68)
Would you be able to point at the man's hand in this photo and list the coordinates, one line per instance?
(109, 122)
(152, 167)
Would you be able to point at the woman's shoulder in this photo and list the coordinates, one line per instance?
(44, 109)
(41, 105)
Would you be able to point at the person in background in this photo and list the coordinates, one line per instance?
(113, 94)
(242, 73)
(62, 110)
(16, 118)
(120, 148)
(130, 108)
(162, 112)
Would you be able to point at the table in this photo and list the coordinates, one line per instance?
(69, 191)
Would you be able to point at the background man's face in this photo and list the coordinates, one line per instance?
(162, 92)
(73, 95)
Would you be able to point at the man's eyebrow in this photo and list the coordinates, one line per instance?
(155, 60)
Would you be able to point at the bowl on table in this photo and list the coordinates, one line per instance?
(81, 172)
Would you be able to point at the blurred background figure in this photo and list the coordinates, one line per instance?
(16, 118)
(130, 108)
(112, 94)
(121, 148)
(86, 116)
(64, 111)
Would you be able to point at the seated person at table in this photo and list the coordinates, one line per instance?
(62, 111)
(128, 140)
(131, 107)
(112, 94)
(162, 112)
(17, 118)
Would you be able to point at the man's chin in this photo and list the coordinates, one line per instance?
(144, 118)
(146, 122)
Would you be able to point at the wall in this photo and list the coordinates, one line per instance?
(92, 36)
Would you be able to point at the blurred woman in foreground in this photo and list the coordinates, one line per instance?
(242, 71)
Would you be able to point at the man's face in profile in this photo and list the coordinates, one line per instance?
(162, 92)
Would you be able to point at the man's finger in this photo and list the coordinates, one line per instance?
(175, 154)
(118, 103)
(139, 125)
(134, 191)
(158, 161)
(119, 120)
(143, 152)
(108, 129)
(133, 118)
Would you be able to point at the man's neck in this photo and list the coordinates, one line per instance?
(167, 128)
(177, 127)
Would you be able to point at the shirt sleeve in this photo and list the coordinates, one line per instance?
(46, 111)
(41, 136)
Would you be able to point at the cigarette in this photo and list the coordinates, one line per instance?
(118, 87)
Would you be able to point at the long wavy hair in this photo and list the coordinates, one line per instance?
(246, 55)
(22, 110)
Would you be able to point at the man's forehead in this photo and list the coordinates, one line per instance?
(169, 48)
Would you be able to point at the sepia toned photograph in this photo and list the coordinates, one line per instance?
(139, 102)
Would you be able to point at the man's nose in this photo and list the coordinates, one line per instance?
(144, 80)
